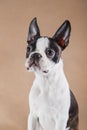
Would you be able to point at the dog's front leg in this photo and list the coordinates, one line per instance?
(61, 125)
(31, 122)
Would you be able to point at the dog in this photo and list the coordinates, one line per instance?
(52, 104)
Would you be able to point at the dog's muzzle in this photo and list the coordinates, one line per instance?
(34, 60)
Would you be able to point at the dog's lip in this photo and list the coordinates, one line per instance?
(34, 64)
(45, 71)
(31, 63)
(27, 68)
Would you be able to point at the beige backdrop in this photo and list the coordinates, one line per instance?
(15, 81)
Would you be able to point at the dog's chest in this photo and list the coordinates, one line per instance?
(44, 105)
(48, 100)
(41, 99)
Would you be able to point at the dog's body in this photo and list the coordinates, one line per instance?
(52, 104)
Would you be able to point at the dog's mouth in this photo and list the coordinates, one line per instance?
(33, 64)
(36, 66)
(45, 71)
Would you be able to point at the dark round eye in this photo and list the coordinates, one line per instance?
(29, 48)
(50, 53)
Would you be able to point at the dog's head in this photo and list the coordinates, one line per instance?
(43, 53)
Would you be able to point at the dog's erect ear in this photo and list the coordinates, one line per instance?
(62, 35)
(33, 30)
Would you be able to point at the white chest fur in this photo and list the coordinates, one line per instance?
(49, 101)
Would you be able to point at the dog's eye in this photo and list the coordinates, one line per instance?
(29, 49)
(50, 53)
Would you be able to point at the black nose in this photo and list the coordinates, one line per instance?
(36, 56)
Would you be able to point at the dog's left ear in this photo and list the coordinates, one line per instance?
(62, 35)
(34, 31)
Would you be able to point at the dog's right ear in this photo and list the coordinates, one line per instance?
(34, 31)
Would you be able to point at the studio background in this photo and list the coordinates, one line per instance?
(15, 81)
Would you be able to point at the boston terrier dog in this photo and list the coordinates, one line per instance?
(52, 103)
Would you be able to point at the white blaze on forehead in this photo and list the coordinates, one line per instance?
(42, 43)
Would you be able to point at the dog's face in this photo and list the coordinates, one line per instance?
(43, 53)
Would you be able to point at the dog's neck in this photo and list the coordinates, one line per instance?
(53, 78)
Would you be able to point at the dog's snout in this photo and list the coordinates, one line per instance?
(36, 56)
(34, 59)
